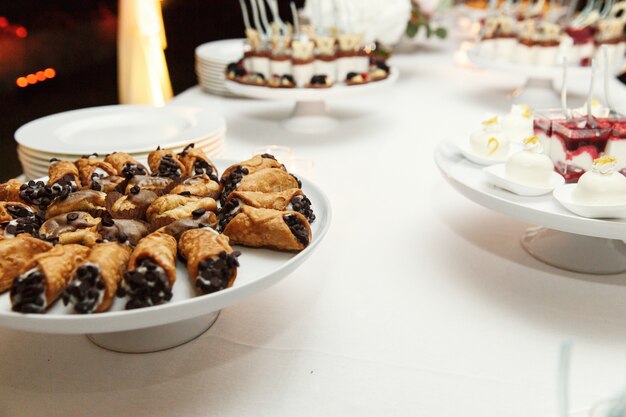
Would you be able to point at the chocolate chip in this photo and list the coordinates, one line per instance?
(185, 193)
(72, 216)
(122, 237)
(198, 212)
(135, 190)
(298, 229)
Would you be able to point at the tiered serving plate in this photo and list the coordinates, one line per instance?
(310, 114)
(187, 315)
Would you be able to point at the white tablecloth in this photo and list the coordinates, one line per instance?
(418, 303)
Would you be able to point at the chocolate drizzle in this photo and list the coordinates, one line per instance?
(231, 181)
(86, 290)
(298, 229)
(302, 205)
(214, 273)
(147, 285)
(28, 292)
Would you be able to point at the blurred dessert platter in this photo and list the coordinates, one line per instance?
(279, 55)
(544, 33)
(116, 231)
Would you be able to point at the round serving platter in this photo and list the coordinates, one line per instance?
(188, 314)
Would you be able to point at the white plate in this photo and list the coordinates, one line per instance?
(563, 195)
(309, 94)
(127, 128)
(496, 175)
(260, 268)
(463, 146)
(226, 50)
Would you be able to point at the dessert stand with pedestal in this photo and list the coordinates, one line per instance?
(563, 240)
(187, 315)
(310, 114)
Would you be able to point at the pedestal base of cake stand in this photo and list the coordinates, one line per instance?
(577, 253)
(538, 93)
(310, 117)
(154, 339)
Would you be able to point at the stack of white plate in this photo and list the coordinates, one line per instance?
(136, 130)
(211, 61)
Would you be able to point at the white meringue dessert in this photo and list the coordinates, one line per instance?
(490, 142)
(518, 124)
(530, 166)
(602, 185)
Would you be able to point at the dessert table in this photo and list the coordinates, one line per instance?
(418, 303)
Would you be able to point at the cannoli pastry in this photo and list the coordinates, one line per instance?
(151, 271)
(15, 253)
(158, 185)
(257, 227)
(292, 199)
(107, 184)
(269, 180)
(125, 165)
(233, 174)
(44, 278)
(163, 163)
(17, 218)
(90, 201)
(199, 218)
(37, 194)
(97, 279)
(125, 231)
(90, 168)
(196, 162)
(63, 174)
(73, 227)
(211, 262)
(10, 190)
(131, 206)
(198, 186)
(168, 208)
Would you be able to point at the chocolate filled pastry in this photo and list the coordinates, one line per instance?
(73, 227)
(90, 201)
(211, 262)
(168, 208)
(15, 254)
(63, 174)
(163, 163)
(158, 185)
(131, 206)
(10, 190)
(151, 271)
(90, 168)
(233, 175)
(198, 186)
(292, 199)
(97, 279)
(44, 278)
(17, 218)
(196, 162)
(107, 184)
(199, 218)
(125, 165)
(124, 231)
(39, 194)
(257, 227)
(269, 180)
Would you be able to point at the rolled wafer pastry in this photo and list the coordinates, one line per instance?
(15, 254)
(196, 162)
(17, 218)
(125, 231)
(211, 262)
(171, 207)
(131, 206)
(44, 278)
(290, 199)
(266, 180)
(164, 163)
(10, 190)
(63, 173)
(89, 168)
(97, 279)
(200, 218)
(151, 271)
(158, 185)
(125, 165)
(73, 227)
(198, 186)
(256, 163)
(90, 201)
(257, 227)
(14, 210)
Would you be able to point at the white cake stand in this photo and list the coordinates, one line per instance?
(310, 114)
(537, 90)
(187, 315)
(565, 240)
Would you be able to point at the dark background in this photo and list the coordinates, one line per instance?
(78, 39)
